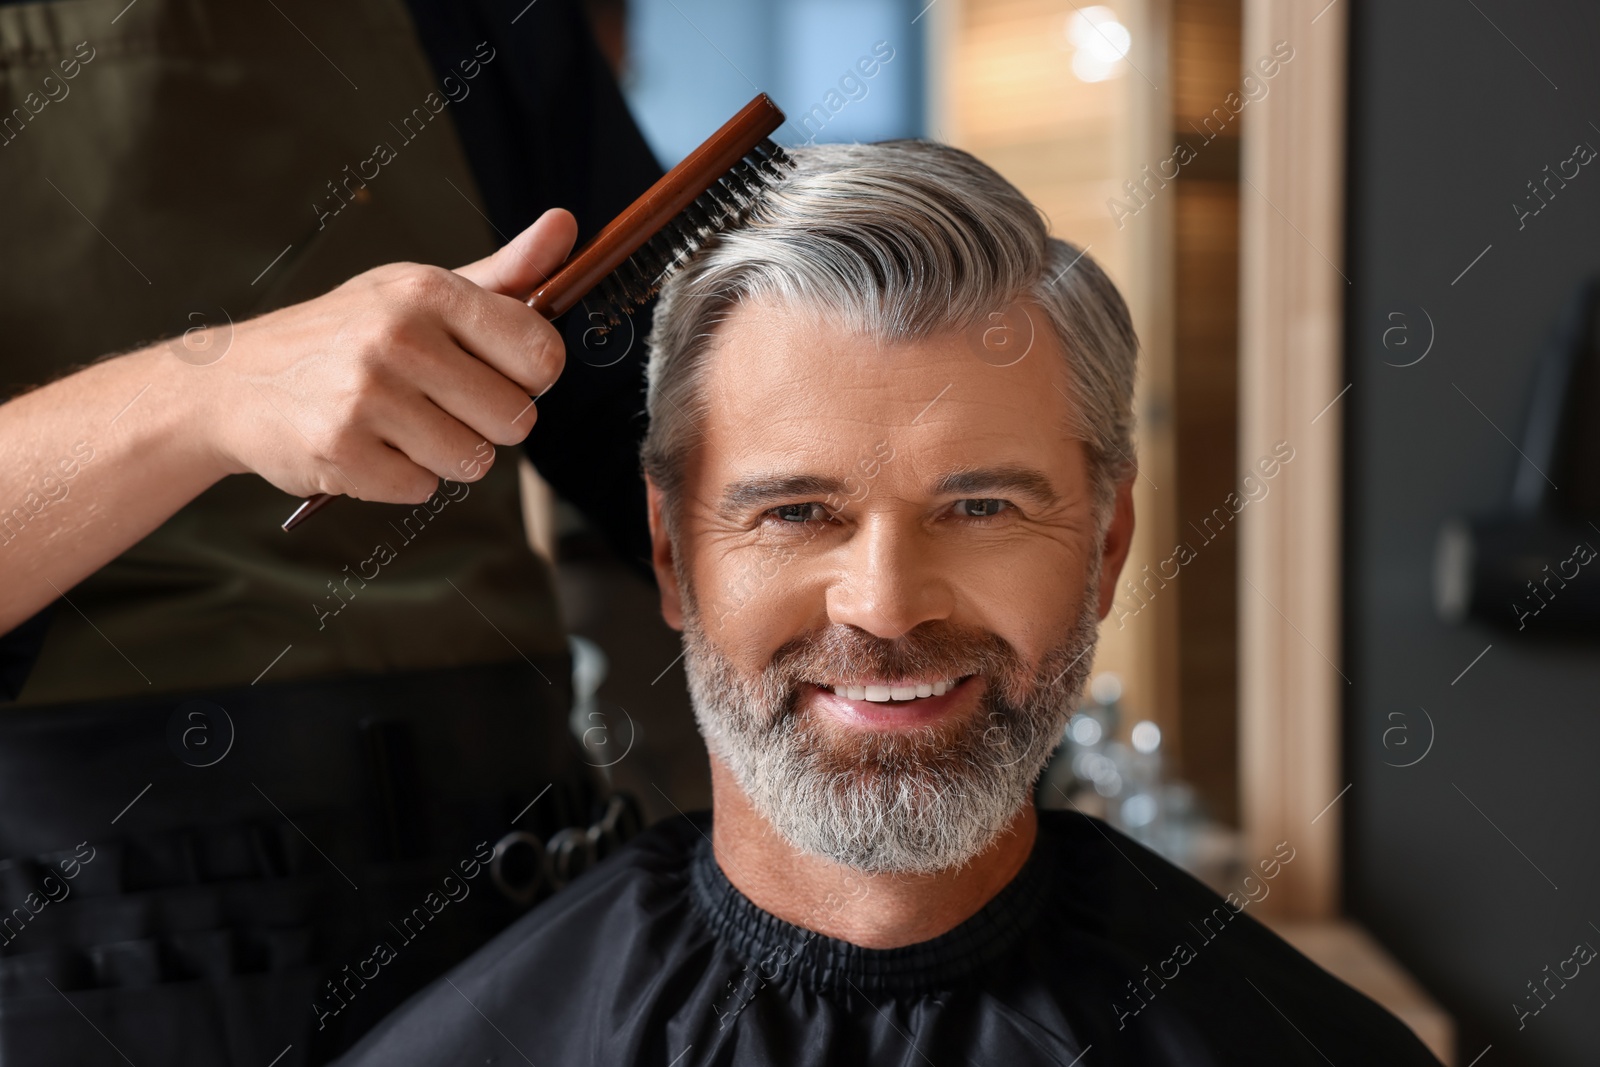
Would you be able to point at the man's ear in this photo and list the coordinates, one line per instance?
(1114, 551)
(661, 557)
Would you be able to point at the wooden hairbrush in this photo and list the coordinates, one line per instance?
(627, 261)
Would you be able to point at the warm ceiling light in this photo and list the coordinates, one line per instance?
(1099, 41)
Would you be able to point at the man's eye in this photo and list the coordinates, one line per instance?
(981, 508)
(798, 513)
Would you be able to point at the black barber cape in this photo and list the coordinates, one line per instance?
(655, 958)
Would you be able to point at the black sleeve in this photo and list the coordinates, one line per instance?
(545, 126)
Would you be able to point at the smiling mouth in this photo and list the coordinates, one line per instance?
(894, 692)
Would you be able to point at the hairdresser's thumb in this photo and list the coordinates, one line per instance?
(528, 261)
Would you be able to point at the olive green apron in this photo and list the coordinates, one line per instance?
(168, 163)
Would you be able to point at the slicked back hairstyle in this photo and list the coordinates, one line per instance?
(897, 240)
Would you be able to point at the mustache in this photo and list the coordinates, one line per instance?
(936, 648)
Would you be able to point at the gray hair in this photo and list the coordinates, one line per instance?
(898, 240)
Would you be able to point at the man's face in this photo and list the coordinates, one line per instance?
(888, 572)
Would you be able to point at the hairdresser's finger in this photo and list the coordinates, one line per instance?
(375, 470)
(432, 438)
(529, 259)
(477, 395)
(503, 333)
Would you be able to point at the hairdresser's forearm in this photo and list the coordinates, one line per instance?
(89, 465)
(403, 375)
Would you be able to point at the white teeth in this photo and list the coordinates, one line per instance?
(879, 694)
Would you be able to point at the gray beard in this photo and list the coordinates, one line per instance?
(911, 802)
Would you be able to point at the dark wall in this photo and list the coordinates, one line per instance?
(1477, 865)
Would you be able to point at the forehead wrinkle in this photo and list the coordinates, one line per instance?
(916, 418)
(824, 437)
(793, 401)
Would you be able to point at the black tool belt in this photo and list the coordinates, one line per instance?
(222, 878)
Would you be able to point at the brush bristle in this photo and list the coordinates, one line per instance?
(728, 200)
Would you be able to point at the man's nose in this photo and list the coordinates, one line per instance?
(891, 581)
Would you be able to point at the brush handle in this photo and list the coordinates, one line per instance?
(644, 218)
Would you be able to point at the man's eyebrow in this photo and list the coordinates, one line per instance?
(754, 492)
(749, 493)
(1024, 480)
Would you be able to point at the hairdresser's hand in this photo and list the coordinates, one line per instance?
(399, 377)
(402, 375)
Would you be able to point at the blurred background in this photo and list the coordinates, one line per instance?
(1356, 239)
